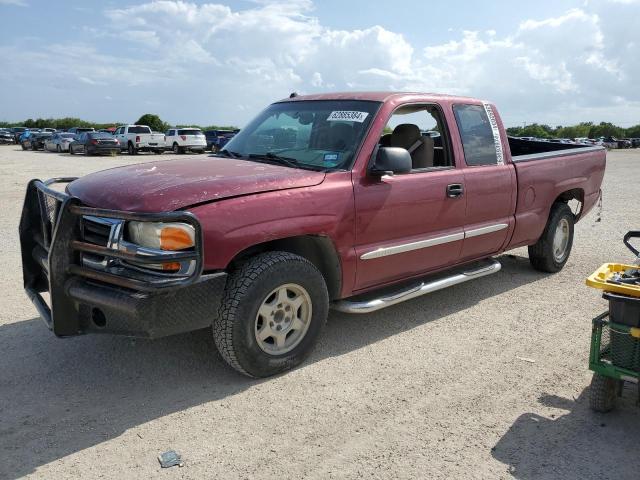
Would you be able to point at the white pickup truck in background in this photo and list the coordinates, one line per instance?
(139, 138)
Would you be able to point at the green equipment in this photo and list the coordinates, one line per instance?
(615, 336)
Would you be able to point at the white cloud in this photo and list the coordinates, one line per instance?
(17, 3)
(581, 65)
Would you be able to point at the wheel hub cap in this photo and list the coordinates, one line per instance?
(283, 319)
(561, 240)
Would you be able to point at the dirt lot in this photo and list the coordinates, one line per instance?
(433, 388)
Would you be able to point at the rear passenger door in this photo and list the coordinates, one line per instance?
(489, 181)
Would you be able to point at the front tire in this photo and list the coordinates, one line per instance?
(552, 250)
(273, 310)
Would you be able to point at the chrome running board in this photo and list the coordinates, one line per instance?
(365, 306)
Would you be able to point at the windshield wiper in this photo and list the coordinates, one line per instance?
(287, 161)
(229, 153)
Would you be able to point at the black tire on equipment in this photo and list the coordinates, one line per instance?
(541, 253)
(602, 393)
(246, 289)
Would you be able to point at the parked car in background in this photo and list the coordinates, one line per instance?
(139, 138)
(95, 143)
(635, 142)
(609, 142)
(6, 137)
(17, 131)
(81, 129)
(216, 139)
(35, 140)
(59, 142)
(181, 140)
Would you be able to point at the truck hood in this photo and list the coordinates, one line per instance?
(176, 184)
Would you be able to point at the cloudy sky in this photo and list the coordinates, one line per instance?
(553, 61)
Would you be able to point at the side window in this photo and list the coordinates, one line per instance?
(477, 134)
(420, 129)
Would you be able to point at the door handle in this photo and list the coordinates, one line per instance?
(455, 190)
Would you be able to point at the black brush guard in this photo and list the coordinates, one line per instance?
(52, 247)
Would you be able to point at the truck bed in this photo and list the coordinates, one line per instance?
(527, 150)
(544, 172)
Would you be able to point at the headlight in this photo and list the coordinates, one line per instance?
(164, 236)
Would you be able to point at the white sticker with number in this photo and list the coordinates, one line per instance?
(496, 133)
(347, 116)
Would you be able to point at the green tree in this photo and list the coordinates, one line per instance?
(606, 129)
(153, 121)
(633, 132)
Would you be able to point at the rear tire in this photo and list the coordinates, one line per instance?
(131, 149)
(273, 310)
(23, 147)
(602, 393)
(176, 149)
(552, 250)
(58, 149)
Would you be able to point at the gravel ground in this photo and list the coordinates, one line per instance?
(488, 379)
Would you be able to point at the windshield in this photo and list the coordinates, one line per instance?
(318, 134)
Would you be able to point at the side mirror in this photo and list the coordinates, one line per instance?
(391, 160)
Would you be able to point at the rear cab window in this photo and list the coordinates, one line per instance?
(139, 129)
(479, 134)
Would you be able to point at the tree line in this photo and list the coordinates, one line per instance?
(152, 120)
(583, 129)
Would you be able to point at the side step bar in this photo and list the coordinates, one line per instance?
(371, 305)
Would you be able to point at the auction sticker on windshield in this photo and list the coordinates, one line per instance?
(347, 116)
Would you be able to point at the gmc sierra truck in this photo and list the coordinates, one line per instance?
(322, 201)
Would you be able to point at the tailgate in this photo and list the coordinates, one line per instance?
(151, 139)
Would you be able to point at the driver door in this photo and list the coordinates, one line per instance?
(410, 224)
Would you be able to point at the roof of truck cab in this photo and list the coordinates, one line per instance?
(377, 96)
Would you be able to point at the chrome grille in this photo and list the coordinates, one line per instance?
(99, 231)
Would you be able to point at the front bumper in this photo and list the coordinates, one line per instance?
(115, 297)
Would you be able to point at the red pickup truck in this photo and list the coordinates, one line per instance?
(351, 201)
